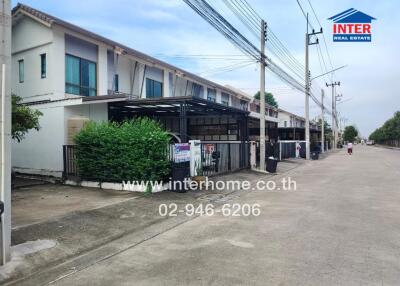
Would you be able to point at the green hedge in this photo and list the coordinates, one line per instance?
(116, 152)
(390, 130)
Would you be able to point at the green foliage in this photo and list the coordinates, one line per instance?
(269, 98)
(327, 129)
(350, 133)
(390, 130)
(134, 150)
(23, 119)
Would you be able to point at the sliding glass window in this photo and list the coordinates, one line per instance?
(211, 95)
(80, 76)
(153, 88)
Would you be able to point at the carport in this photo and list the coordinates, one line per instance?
(188, 117)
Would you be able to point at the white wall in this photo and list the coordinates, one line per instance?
(282, 116)
(95, 112)
(29, 40)
(80, 48)
(41, 151)
(28, 33)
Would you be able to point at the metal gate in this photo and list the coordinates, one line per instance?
(224, 157)
(69, 159)
(288, 149)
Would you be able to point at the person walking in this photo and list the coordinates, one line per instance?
(350, 148)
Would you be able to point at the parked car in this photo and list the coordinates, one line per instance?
(370, 142)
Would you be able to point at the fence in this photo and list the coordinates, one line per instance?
(224, 157)
(288, 149)
(217, 158)
(391, 143)
(69, 159)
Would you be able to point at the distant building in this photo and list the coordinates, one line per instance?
(292, 127)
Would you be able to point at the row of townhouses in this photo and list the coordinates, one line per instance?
(73, 75)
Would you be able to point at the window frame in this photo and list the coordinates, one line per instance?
(213, 92)
(152, 83)
(80, 86)
(21, 75)
(224, 102)
(116, 82)
(43, 65)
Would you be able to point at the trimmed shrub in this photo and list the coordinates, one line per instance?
(129, 151)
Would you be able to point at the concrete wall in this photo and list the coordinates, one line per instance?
(282, 116)
(80, 48)
(41, 151)
(29, 40)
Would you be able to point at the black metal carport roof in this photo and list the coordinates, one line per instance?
(302, 129)
(168, 106)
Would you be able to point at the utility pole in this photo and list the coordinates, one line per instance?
(337, 98)
(307, 88)
(322, 122)
(262, 94)
(334, 131)
(5, 129)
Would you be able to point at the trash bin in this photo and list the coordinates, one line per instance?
(179, 172)
(315, 155)
(272, 163)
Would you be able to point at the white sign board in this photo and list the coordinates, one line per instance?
(181, 152)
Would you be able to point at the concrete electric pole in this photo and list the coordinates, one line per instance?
(307, 88)
(322, 122)
(5, 129)
(334, 131)
(262, 95)
(337, 98)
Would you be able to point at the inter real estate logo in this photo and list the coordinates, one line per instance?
(352, 26)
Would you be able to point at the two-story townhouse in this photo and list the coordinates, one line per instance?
(292, 127)
(73, 75)
(271, 118)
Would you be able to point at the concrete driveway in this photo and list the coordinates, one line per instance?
(37, 203)
(341, 227)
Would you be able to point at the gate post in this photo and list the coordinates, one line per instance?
(253, 159)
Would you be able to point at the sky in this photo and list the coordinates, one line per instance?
(166, 28)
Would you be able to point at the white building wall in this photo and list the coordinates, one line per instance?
(56, 64)
(80, 48)
(40, 152)
(124, 74)
(282, 116)
(102, 71)
(31, 39)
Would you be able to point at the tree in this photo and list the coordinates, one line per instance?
(350, 133)
(390, 130)
(269, 98)
(327, 129)
(23, 119)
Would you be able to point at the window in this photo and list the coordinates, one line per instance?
(197, 90)
(244, 105)
(153, 88)
(116, 83)
(80, 76)
(21, 71)
(43, 65)
(285, 123)
(211, 95)
(225, 99)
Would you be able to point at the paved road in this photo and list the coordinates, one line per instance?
(341, 227)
